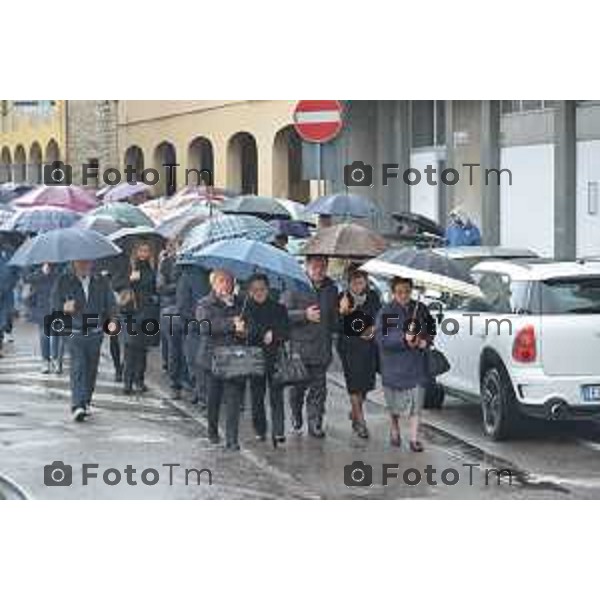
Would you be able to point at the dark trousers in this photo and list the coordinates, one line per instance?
(231, 392)
(85, 356)
(134, 368)
(115, 352)
(196, 374)
(258, 388)
(176, 362)
(315, 394)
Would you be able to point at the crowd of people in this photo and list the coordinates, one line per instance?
(308, 322)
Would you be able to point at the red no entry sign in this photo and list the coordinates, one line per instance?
(318, 121)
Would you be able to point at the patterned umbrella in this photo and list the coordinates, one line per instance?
(62, 246)
(181, 221)
(71, 197)
(124, 190)
(224, 227)
(40, 219)
(128, 237)
(261, 206)
(345, 241)
(298, 211)
(428, 269)
(101, 223)
(125, 214)
(243, 257)
(342, 205)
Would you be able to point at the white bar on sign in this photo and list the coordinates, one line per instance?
(321, 116)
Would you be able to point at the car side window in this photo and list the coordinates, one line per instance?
(496, 288)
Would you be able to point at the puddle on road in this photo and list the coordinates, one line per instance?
(465, 449)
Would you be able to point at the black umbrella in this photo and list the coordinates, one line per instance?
(418, 223)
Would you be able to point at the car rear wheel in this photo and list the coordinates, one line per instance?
(498, 404)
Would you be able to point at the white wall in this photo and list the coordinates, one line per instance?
(588, 170)
(527, 207)
(424, 197)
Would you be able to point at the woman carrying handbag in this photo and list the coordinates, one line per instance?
(268, 328)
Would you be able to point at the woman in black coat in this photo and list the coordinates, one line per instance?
(358, 307)
(139, 302)
(268, 327)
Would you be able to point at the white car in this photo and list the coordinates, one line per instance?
(532, 347)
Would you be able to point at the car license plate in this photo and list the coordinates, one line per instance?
(591, 393)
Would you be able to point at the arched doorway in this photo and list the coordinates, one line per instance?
(242, 163)
(287, 166)
(5, 165)
(52, 152)
(134, 157)
(200, 156)
(20, 168)
(165, 154)
(34, 174)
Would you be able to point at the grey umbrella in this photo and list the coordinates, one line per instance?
(63, 245)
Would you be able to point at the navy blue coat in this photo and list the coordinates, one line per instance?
(8, 280)
(402, 367)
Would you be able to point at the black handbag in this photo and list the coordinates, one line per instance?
(289, 368)
(438, 363)
(230, 362)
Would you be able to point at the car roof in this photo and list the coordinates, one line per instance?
(540, 269)
(484, 252)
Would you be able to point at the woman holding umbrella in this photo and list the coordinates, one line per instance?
(358, 307)
(138, 302)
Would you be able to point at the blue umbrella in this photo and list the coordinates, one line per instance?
(225, 227)
(100, 223)
(39, 219)
(180, 222)
(63, 245)
(298, 229)
(243, 258)
(342, 205)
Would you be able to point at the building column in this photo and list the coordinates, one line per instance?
(393, 146)
(446, 195)
(565, 179)
(490, 159)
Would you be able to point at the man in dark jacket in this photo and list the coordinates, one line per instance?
(222, 310)
(166, 286)
(404, 330)
(88, 301)
(192, 286)
(314, 319)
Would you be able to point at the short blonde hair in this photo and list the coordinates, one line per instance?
(216, 272)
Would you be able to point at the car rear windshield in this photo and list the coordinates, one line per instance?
(570, 296)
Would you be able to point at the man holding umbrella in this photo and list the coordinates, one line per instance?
(80, 294)
(82, 301)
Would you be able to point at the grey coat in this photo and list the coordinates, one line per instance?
(313, 340)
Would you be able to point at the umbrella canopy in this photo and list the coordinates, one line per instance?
(125, 190)
(262, 206)
(71, 197)
(224, 227)
(180, 222)
(426, 268)
(40, 219)
(64, 245)
(125, 214)
(298, 229)
(128, 237)
(342, 205)
(346, 240)
(11, 191)
(418, 223)
(161, 209)
(243, 258)
(298, 211)
(101, 223)
(202, 192)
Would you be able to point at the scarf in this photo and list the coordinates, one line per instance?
(357, 299)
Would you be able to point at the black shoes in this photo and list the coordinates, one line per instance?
(316, 431)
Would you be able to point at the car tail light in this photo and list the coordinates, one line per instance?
(524, 349)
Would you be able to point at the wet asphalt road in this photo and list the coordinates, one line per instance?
(149, 431)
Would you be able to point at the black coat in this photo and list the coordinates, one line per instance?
(264, 317)
(313, 340)
(358, 355)
(168, 273)
(220, 332)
